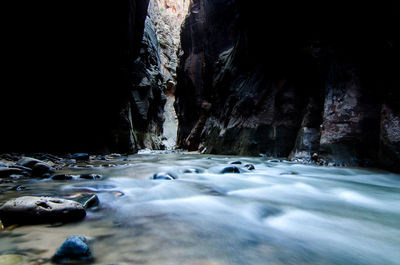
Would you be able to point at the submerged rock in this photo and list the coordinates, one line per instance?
(35, 210)
(236, 163)
(231, 169)
(74, 249)
(164, 175)
(289, 173)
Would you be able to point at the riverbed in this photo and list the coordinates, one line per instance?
(279, 213)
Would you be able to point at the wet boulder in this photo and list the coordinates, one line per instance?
(230, 169)
(164, 175)
(249, 167)
(26, 169)
(35, 210)
(41, 170)
(28, 162)
(236, 163)
(74, 250)
(6, 172)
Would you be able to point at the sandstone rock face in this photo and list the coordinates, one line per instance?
(152, 76)
(272, 80)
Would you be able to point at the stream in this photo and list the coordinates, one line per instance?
(279, 213)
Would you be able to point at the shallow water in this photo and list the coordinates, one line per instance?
(279, 213)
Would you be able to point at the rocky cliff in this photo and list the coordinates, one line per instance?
(82, 77)
(309, 81)
(68, 76)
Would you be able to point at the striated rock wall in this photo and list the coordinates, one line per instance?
(287, 79)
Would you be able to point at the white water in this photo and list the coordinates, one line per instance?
(279, 213)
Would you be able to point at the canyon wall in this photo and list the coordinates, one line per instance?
(82, 78)
(309, 81)
(68, 75)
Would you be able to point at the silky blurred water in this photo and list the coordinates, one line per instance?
(279, 213)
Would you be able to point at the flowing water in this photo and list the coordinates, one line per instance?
(279, 213)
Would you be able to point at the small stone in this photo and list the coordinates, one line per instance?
(74, 248)
(88, 201)
(231, 169)
(35, 210)
(236, 163)
(90, 176)
(249, 166)
(274, 161)
(101, 157)
(19, 188)
(314, 157)
(164, 175)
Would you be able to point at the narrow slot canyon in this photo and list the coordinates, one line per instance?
(200, 132)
